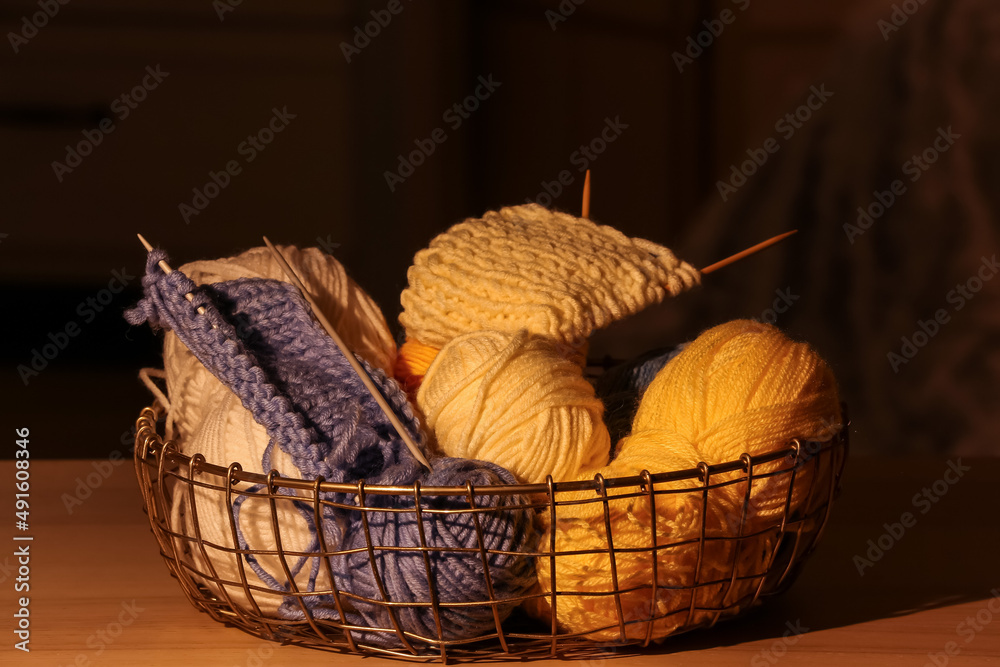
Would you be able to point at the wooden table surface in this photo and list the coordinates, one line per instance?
(101, 595)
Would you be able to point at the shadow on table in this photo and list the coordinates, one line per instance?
(947, 556)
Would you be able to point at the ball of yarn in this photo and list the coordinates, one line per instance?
(740, 387)
(304, 396)
(584, 564)
(228, 433)
(755, 388)
(354, 314)
(412, 362)
(515, 400)
(457, 575)
(621, 387)
(526, 267)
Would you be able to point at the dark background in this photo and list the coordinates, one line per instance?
(322, 179)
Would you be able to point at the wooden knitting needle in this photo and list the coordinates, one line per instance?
(167, 270)
(355, 364)
(744, 253)
(585, 213)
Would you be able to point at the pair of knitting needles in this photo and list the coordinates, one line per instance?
(585, 213)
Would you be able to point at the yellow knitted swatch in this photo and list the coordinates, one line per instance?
(515, 400)
(739, 387)
(526, 267)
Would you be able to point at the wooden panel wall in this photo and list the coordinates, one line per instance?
(322, 179)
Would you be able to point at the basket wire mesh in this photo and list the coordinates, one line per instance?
(809, 474)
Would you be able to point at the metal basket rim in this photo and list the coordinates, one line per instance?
(150, 447)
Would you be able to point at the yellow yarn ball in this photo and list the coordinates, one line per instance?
(678, 519)
(739, 387)
(517, 401)
(755, 390)
(526, 267)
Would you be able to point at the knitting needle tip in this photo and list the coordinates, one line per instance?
(162, 264)
(744, 253)
(585, 209)
(167, 270)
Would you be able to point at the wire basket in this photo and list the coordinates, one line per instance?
(757, 555)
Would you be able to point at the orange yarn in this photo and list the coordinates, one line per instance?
(412, 362)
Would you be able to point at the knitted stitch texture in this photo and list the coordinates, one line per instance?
(356, 316)
(529, 267)
(284, 369)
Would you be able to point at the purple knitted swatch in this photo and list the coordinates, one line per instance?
(289, 373)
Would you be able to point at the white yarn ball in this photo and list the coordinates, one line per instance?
(228, 433)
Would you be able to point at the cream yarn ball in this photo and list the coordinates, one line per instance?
(514, 399)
